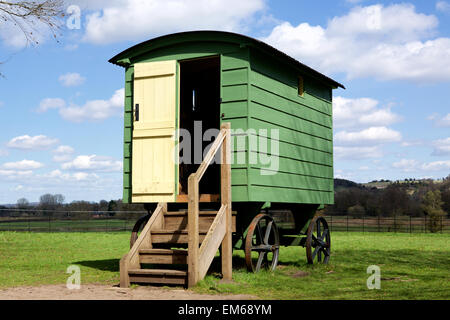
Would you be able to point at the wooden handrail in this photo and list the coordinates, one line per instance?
(210, 155)
(196, 268)
(212, 241)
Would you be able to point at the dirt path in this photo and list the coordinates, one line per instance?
(105, 292)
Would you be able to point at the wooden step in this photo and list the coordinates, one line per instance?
(177, 220)
(173, 236)
(163, 256)
(167, 276)
(184, 212)
(202, 198)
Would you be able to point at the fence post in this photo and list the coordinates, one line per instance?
(410, 224)
(331, 223)
(395, 223)
(347, 222)
(363, 223)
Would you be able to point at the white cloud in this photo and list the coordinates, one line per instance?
(18, 187)
(71, 79)
(411, 165)
(23, 165)
(361, 112)
(51, 103)
(385, 42)
(77, 176)
(443, 6)
(94, 163)
(439, 121)
(137, 19)
(357, 153)
(372, 135)
(95, 5)
(95, 109)
(15, 174)
(62, 157)
(406, 165)
(27, 142)
(436, 165)
(92, 110)
(64, 150)
(412, 143)
(63, 154)
(441, 147)
(365, 124)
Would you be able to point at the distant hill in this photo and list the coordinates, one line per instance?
(343, 184)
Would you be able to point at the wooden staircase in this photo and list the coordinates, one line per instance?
(166, 254)
(162, 243)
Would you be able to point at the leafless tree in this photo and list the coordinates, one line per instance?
(29, 15)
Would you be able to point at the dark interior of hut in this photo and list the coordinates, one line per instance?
(200, 107)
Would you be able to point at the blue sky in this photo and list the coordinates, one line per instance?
(61, 102)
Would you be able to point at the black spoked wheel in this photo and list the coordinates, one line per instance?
(262, 244)
(138, 226)
(318, 241)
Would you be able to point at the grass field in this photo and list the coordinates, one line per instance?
(413, 266)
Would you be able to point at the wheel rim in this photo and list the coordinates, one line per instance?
(138, 226)
(318, 241)
(262, 244)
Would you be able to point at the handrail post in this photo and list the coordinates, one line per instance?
(193, 237)
(225, 185)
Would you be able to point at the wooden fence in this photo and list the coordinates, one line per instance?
(98, 223)
(386, 224)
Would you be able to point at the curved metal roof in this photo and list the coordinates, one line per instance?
(122, 58)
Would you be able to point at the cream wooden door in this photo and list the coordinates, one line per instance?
(155, 122)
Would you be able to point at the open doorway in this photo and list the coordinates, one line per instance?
(200, 101)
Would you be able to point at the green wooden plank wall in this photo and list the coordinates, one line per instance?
(304, 123)
(234, 109)
(128, 132)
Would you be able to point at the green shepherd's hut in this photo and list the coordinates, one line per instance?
(275, 116)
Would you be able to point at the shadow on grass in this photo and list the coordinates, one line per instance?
(240, 264)
(103, 265)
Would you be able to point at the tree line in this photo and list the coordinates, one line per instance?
(406, 198)
(52, 205)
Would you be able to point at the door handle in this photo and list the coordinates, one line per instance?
(136, 112)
